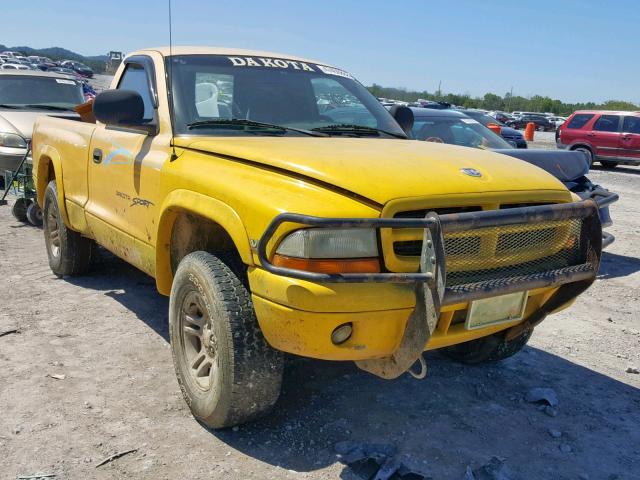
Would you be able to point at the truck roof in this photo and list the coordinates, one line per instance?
(194, 50)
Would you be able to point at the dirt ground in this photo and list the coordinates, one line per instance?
(104, 335)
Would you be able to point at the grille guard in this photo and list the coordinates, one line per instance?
(430, 282)
(591, 233)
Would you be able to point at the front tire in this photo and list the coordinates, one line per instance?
(69, 252)
(226, 370)
(492, 348)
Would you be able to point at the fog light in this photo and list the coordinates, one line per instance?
(342, 333)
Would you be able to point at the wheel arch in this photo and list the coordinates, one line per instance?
(191, 221)
(583, 145)
(47, 167)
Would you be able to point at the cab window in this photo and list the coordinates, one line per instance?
(135, 78)
(607, 123)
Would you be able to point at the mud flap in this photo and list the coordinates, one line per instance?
(424, 318)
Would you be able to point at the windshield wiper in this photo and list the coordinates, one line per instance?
(4, 105)
(251, 123)
(49, 107)
(350, 128)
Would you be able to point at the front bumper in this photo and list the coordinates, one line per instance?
(603, 198)
(10, 158)
(298, 310)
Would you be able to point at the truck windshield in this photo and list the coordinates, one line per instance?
(275, 91)
(33, 92)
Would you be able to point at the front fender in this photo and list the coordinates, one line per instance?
(179, 201)
(49, 159)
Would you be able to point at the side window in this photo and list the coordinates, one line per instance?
(607, 123)
(579, 120)
(631, 125)
(135, 78)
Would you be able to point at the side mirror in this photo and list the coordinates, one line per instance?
(124, 108)
(404, 116)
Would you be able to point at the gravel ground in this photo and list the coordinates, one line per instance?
(89, 374)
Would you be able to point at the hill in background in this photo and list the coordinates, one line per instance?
(96, 62)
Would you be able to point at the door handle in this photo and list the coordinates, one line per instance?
(97, 155)
(591, 134)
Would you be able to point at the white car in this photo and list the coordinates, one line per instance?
(13, 66)
(558, 120)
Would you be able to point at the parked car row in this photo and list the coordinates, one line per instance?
(10, 60)
(542, 122)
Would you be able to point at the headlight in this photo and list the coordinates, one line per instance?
(324, 250)
(330, 243)
(12, 140)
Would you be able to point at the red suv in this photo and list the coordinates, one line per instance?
(607, 137)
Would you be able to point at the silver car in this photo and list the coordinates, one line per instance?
(25, 95)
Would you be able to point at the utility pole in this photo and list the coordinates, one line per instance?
(439, 89)
(510, 97)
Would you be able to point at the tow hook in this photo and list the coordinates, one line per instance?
(424, 318)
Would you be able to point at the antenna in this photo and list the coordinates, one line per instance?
(174, 156)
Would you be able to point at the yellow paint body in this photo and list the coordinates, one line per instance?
(129, 205)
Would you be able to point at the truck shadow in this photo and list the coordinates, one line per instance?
(618, 169)
(458, 416)
(613, 265)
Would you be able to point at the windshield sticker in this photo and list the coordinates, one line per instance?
(333, 71)
(266, 62)
(469, 120)
(269, 63)
(66, 82)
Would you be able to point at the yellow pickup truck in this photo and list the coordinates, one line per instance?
(284, 209)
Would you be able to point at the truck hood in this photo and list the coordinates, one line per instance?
(381, 169)
(21, 122)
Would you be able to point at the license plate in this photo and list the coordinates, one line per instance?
(496, 310)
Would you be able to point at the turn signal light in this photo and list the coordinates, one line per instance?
(328, 265)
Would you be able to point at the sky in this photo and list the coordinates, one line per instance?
(572, 50)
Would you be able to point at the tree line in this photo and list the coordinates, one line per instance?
(507, 103)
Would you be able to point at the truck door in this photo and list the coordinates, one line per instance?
(605, 136)
(630, 139)
(124, 175)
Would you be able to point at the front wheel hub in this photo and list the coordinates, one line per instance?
(199, 341)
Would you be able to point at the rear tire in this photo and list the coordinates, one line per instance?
(492, 348)
(608, 164)
(19, 209)
(69, 252)
(34, 214)
(227, 371)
